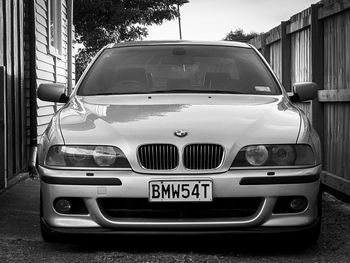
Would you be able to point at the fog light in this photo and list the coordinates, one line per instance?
(298, 204)
(63, 206)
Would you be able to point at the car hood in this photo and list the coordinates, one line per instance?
(129, 121)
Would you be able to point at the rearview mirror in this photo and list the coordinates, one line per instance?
(304, 91)
(177, 60)
(52, 92)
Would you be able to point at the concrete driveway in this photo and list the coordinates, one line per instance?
(20, 240)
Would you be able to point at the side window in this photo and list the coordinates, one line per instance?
(55, 26)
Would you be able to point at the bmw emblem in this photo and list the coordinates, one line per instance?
(180, 133)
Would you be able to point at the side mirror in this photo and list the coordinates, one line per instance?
(304, 91)
(52, 92)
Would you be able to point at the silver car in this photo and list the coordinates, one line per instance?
(179, 137)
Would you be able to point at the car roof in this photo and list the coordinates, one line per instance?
(179, 42)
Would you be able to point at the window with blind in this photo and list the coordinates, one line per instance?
(55, 26)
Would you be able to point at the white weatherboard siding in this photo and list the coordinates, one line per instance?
(49, 66)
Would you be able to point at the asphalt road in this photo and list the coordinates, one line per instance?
(20, 240)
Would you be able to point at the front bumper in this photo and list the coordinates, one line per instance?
(207, 231)
(127, 184)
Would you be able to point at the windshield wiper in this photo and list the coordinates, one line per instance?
(115, 93)
(196, 91)
(104, 94)
(167, 91)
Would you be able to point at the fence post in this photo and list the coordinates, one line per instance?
(285, 56)
(3, 172)
(317, 69)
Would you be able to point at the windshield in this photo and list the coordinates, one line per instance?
(176, 68)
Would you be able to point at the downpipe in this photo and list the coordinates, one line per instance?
(33, 97)
(32, 161)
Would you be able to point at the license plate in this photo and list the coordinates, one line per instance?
(180, 191)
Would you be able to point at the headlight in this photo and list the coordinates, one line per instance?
(256, 155)
(86, 156)
(275, 155)
(283, 155)
(104, 155)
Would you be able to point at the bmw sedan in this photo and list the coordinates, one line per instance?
(179, 137)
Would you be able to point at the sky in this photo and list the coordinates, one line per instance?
(213, 19)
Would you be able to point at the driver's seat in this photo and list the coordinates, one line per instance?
(136, 78)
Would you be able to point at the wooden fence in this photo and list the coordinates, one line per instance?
(3, 141)
(13, 97)
(314, 45)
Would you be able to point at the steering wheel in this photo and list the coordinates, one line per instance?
(129, 85)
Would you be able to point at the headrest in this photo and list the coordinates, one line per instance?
(137, 74)
(213, 80)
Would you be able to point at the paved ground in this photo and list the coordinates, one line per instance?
(20, 240)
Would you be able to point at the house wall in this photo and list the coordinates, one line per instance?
(25, 63)
(49, 67)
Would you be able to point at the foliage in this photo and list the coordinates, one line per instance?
(99, 22)
(240, 35)
(82, 59)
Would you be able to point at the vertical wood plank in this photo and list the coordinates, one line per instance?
(3, 162)
(17, 155)
(265, 50)
(285, 56)
(300, 62)
(22, 102)
(347, 55)
(275, 58)
(32, 74)
(347, 86)
(2, 39)
(316, 38)
(9, 87)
